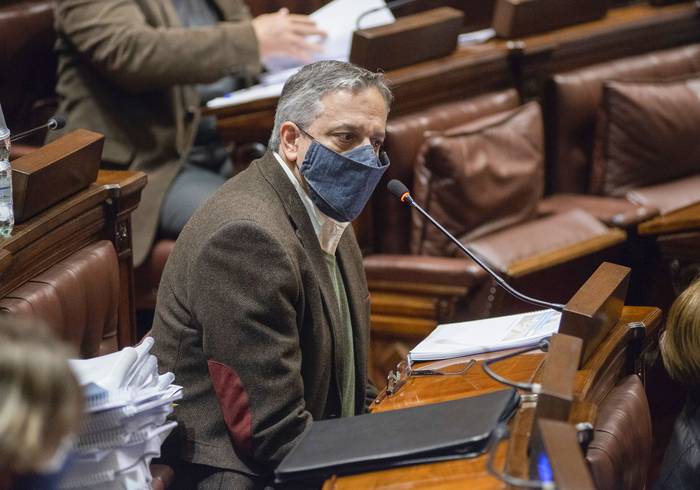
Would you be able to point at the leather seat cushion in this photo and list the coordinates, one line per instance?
(478, 178)
(572, 101)
(404, 138)
(647, 134)
(670, 196)
(77, 298)
(502, 249)
(620, 451)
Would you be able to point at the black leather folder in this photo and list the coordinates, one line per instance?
(441, 431)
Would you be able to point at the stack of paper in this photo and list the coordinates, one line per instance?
(126, 404)
(492, 334)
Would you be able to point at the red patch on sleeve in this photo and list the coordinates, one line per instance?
(234, 404)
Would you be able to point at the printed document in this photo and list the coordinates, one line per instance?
(488, 335)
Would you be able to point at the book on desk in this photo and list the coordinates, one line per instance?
(440, 431)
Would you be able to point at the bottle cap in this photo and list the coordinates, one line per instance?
(4, 130)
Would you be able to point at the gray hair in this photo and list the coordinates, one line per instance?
(300, 101)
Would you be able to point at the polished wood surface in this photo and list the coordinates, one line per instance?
(63, 167)
(102, 211)
(402, 43)
(598, 376)
(561, 445)
(518, 18)
(595, 308)
(557, 393)
(683, 220)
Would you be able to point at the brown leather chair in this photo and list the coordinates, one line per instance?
(27, 67)
(571, 101)
(78, 299)
(415, 284)
(620, 452)
(390, 257)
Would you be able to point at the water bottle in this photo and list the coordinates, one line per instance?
(7, 215)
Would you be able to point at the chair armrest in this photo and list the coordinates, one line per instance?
(612, 211)
(421, 269)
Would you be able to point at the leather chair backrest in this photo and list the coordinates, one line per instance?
(620, 452)
(77, 298)
(27, 63)
(571, 103)
(404, 138)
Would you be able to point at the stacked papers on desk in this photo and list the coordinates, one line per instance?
(489, 335)
(127, 404)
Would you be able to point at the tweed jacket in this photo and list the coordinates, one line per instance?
(248, 320)
(126, 69)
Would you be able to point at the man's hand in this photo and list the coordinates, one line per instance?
(285, 34)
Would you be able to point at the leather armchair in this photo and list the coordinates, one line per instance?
(78, 298)
(620, 452)
(571, 102)
(412, 290)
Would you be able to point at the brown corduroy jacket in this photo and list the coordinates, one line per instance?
(127, 70)
(248, 321)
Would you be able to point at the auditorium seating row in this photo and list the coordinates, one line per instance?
(542, 190)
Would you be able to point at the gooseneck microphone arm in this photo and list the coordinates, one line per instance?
(52, 124)
(542, 345)
(397, 188)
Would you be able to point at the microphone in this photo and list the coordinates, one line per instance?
(398, 189)
(56, 122)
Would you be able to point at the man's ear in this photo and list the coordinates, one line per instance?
(289, 141)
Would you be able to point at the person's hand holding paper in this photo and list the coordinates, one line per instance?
(284, 36)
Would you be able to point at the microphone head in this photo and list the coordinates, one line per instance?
(397, 188)
(56, 122)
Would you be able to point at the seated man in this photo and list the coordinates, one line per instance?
(263, 308)
(129, 69)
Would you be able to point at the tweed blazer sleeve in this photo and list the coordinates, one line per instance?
(136, 49)
(245, 294)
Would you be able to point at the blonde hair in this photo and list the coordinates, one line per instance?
(40, 400)
(680, 344)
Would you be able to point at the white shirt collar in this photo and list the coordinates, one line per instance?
(327, 229)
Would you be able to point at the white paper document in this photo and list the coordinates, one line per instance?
(339, 20)
(488, 335)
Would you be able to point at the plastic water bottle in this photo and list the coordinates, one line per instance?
(7, 215)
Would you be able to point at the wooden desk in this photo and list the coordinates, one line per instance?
(681, 221)
(100, 212)
(498, 64)
(599, 375)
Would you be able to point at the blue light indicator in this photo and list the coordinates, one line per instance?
(544, 469)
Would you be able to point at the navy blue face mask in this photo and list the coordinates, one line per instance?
(340, 184)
